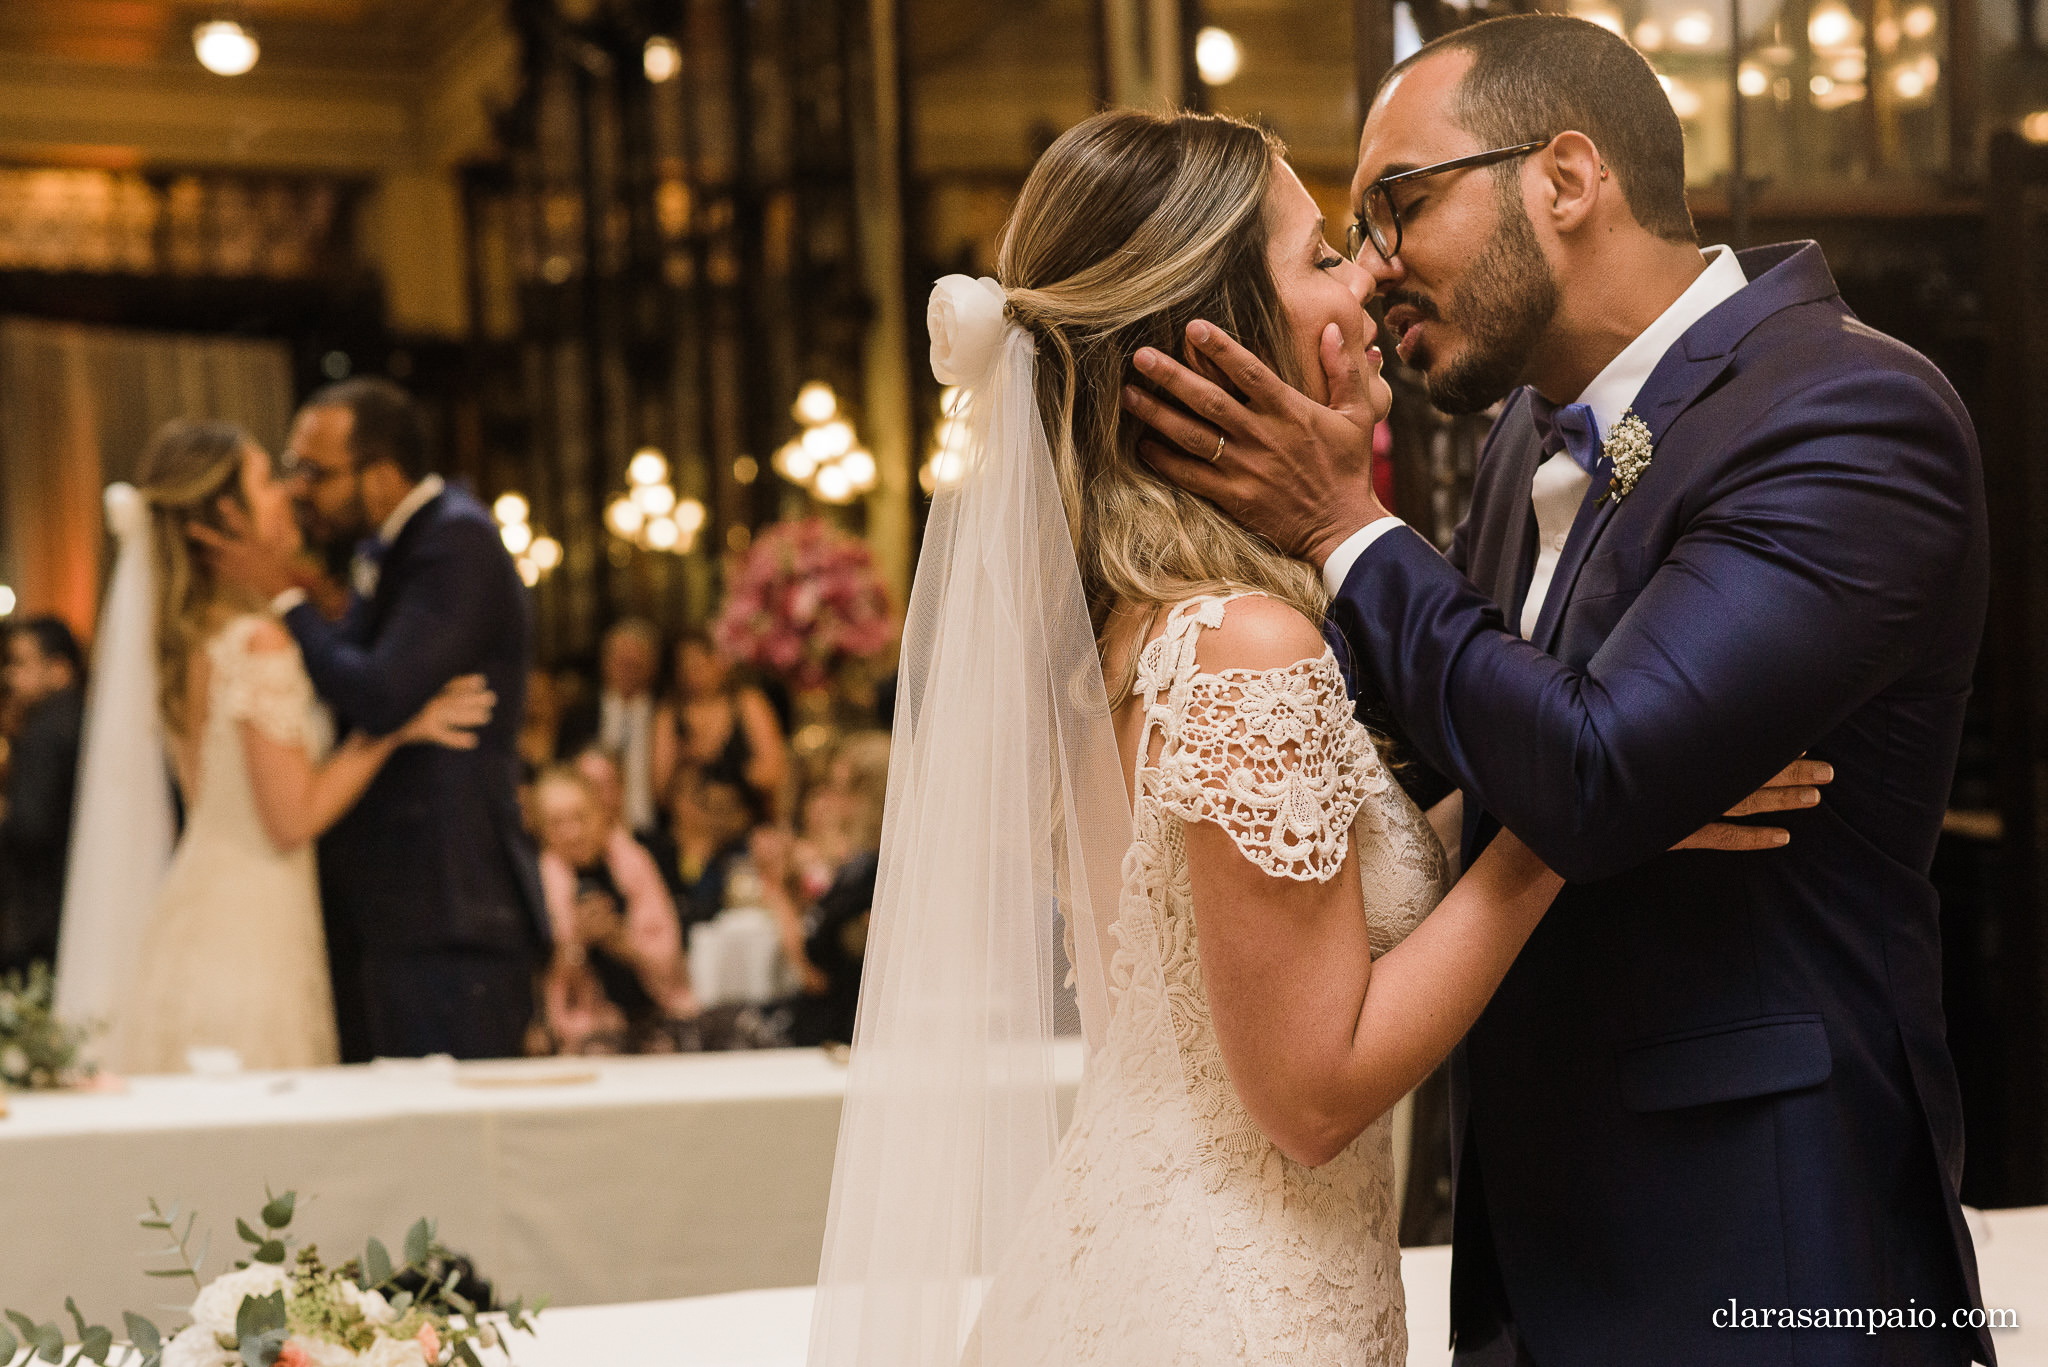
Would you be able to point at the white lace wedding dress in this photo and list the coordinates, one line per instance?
(235, 955)
(1171, 1229)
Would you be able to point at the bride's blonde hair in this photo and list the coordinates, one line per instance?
(1131, 226)
(188, 469)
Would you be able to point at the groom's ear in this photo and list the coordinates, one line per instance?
(1579, 180)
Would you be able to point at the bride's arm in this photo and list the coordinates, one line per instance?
(1318, 1039)
(297, 799)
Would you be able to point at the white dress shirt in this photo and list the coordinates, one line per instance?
(625, 727)
(1559, 486)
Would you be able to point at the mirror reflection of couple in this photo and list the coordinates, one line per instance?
(421, 927)
(1687, 1070)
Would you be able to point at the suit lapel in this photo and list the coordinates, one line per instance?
(1779, 277)
(1511, 571)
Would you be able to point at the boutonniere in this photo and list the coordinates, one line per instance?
(1628, 448)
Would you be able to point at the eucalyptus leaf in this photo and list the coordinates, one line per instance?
(377, 1268)
(466, 1354)
(25, 1324)
(249, 1236)
(96, 1343)
(264, 1349)
(271, 1252)
(142, 1333)
(278, 1214)
(9, 1345)
(419, 1244)
(49, 1343)
(71, 1305)
(259, 1315)
(401, 1302)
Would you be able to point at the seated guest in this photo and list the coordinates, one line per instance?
(828, 941)
(709, 823)
(619, 981)
(45, 678)
(621, 718)
(728, 732)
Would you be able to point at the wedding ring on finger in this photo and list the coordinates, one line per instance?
(1221, 438)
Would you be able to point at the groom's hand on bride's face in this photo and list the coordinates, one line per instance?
(241, 557)
(1793, 789)
(1293, 470)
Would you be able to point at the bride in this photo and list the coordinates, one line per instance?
(1115, 702)
(233, 954)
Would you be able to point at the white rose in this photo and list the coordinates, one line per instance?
(965, 318)
(321, 1353)
(394, 1353)
(220, 1302)
(371, 1305)
(195, 1346)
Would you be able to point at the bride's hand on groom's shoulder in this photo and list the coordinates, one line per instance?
(1296, 471)
(1794, 788)
(454, 716)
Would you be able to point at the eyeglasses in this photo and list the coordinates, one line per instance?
(1380, 221)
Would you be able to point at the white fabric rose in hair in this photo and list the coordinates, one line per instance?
(965, 317)
(127, 511)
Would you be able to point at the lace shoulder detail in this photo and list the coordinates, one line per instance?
(268, 688)
(1273, 756)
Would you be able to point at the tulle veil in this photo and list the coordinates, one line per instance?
(1006, 812)
(121, 829)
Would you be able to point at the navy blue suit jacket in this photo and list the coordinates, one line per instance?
(434, 858)
(1711, 1077)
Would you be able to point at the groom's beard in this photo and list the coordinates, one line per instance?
(1504, 304)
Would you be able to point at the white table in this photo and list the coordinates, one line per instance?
(772, 1328)
(588, 1180)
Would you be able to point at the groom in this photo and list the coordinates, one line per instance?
(1713, 1093)
(432, 898)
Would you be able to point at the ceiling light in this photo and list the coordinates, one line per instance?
(1649, 35)
(1217, 56)
(690, 516)
(224, 47)
(510, 508)
(517, 537)
(1832, 27)
(656, 499)
(1693, 29)
(6, 601)
(2034, 128)
(663, 534)
(1919, 21)
(661, 59)
(545, 552)
(1751, 80)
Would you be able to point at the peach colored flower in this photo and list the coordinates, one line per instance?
(430, 1342)
(294, 1355)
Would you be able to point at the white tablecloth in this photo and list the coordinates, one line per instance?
(771, 1328)
(586, 1180)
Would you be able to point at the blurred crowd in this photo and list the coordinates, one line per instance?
(708, 880)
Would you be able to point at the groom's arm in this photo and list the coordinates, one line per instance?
(1803, 585)
(435, 629)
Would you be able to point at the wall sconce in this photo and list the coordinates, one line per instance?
(827, 458)
(649, 514)
(536, 556)
(225, 48)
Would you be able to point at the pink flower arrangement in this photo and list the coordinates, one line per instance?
(805, 601)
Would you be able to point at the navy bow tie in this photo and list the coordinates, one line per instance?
(1570, 428)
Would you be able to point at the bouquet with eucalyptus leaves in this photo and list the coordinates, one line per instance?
(282, 1306)
(37, 1050)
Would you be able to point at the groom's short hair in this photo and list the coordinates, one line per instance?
(388, 426)
(1537, 75)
